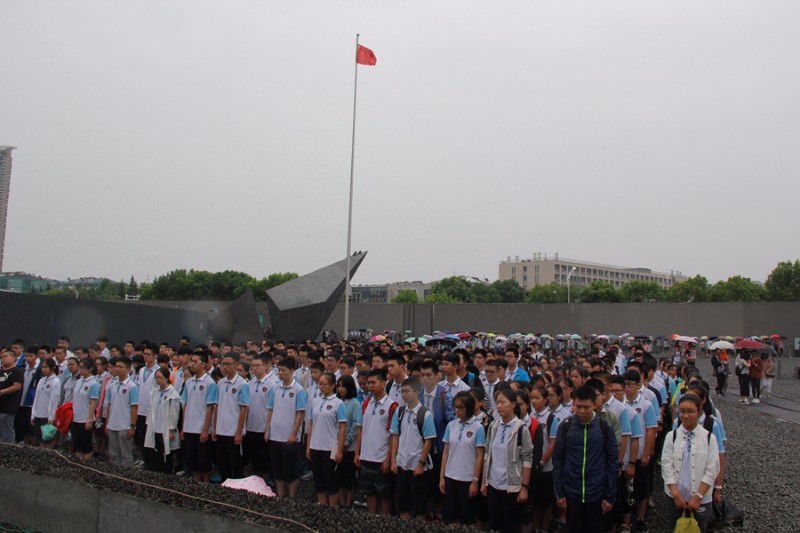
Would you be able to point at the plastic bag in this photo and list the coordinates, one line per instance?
(48, 432)
(687, 524)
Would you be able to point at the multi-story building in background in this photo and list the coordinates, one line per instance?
(542, 270)
(5, 185)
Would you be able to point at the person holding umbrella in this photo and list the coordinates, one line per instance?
(743, 373)
(719, 361)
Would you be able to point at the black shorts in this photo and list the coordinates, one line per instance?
(324, 469)
(373, 482)
(542, 492)
(81, 437)
(433, 489)
(257, 452)
(459, 506)
(412, 492)
(283, 461)
(346, 471)
(641, 482)
(37, 428)
(197, 455)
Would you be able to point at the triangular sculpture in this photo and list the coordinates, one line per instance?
(299, 309)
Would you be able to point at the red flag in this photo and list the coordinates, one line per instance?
(364, 56)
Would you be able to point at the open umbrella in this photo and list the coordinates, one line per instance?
(603, 337)
(642, 337)
(575, 337)
(684, 338)
(749, 343)
(377, 338)
(722, 345)
(776, 337)
(464, 335)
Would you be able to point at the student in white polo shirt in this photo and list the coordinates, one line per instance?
(462, 460)
(234, 397)
(199, 400)
(327, 421)
(286, 407)
(263, 381)
(372, 445)
(85, 393)
(396, 369)
(449, 368)
(410, 451)
(542, 495)
(122, 397)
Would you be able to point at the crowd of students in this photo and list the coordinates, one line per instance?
(511, 439)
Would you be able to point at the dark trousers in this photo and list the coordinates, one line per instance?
(412, 492)
(154, 458)
(722, 378)
(229, 458)
(141, 431)
(702, 515)
(584, 517)
(459, 506)
(744, 385)
(755, 387)
(505, 513)
(22, 423)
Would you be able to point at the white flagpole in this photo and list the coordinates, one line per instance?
(347, 290)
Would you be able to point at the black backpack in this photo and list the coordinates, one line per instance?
(708, 425)
(420, 419)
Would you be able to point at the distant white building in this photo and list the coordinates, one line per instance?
(542, 270)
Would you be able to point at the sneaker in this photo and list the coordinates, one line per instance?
(624, 529)
(641, 527)
(756, 400)
(307, 475)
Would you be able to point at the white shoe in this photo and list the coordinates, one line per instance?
(756, 400)
(746, 401)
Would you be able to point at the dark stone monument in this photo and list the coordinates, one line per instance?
(298, 309)
(238, 322)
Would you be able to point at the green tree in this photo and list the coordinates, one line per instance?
(551, 293)
(457, 290)
(485, 294)
(642, 291)
(694, 289)
(599, 292)
(738, 289)
(509, 291)
(783, 283)
(441, 298)
(132, 288)
(406, 297)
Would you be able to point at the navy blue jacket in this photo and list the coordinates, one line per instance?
(585, 461)
(442, 412)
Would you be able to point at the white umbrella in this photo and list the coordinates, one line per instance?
(722, 345)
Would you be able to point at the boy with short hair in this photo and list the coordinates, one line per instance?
(413, 434)
(123, 407)
(286, 408)
(199, 400)
(234, 398)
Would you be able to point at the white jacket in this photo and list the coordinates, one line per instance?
(170, 411)
(705, 459)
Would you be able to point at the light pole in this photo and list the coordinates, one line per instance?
(569, 292)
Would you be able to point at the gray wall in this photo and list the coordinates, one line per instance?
(696, 319)
(47, 504)
(42, 319)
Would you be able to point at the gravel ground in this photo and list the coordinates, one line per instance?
(761, 479)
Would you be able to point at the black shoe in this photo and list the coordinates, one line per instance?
(640, 527)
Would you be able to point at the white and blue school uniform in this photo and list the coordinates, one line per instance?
(325, 415)
(259, 394)
(48, 396)
(198, 394)
(121, 396)
(646, 413)
(375, 424)
(233, 395)
(285, 402)
(548, 433)
(409, 450)
(84, 390)
(561, 413)
(146, 382)
(463, 439)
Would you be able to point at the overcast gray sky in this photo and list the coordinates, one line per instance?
(216, 135)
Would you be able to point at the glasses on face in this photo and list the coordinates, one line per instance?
(459, 407)
(617, 391)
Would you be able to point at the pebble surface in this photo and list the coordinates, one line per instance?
(761, 479)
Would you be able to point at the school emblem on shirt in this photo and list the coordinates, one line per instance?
(469, 434)
(85, 388)
(201, 387)
(124, 391)
(329, 407)
(383, 412)
(291, 395)
(638, 409)
(234, 390)
(46, 387)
